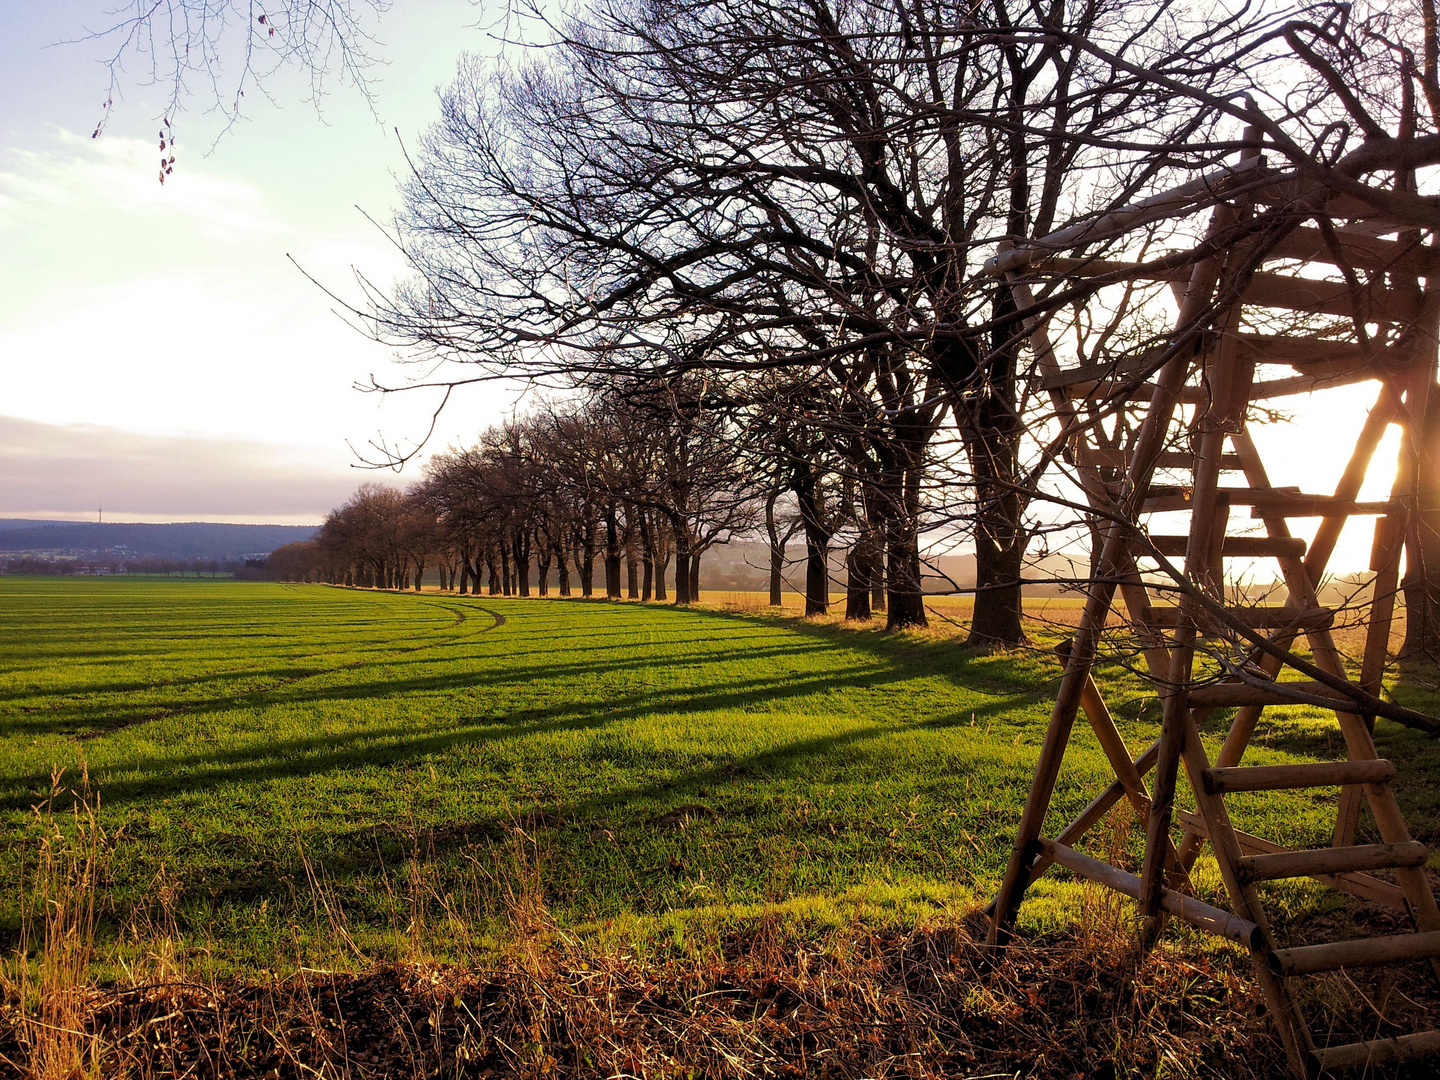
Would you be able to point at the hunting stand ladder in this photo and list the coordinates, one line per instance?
(1190, 397)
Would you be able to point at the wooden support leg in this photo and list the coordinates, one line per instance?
(1087, 818)
(1174, 720)
(1245, 903)
(1385, 561)
(1042, 787)
(1127, 774)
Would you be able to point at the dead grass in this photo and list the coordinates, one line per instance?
(925, 1004)
(770, 999)
(48, 1001)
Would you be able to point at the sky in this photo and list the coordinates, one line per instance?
(160, 352)
(162, 356)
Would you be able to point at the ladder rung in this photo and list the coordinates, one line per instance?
(1187, 908)
(1284, 501)
(1170, 459)
(1362, 952)
(1379, 1051)
(1318, 506)
(1112, 371)
(1238, 694)
(1257, 618)
(1362, 885)
(1307, 383)
(1375, 304)
(1331, 860)
(1280, 547)
(1303, 775)
(1304, 352)
(1360, 251)
(1110, 389)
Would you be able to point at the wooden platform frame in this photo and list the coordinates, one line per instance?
(1209, 366)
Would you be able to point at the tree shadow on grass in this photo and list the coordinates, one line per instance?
(278, 686)
(383, 746)
(723, 785)
(1028, 671)
(95, 717)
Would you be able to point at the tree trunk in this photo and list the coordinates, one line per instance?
(647, 557)
(817, 544)
(876, 540)
(817, 575)
(992, 444)
(587, 560)
(612, 554)
(660, 567)
(562, 570)
(997, 593)
(682, 564)
(904, 602)
(522, 563)
(777, 552)
(694, 577)
(505, 579)
(857, 579)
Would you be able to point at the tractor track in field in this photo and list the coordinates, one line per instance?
(249, 697)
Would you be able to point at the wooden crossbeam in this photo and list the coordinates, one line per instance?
(1369, 303)
(1358, 250)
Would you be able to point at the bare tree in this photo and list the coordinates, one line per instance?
(652, 197)
(222, 49)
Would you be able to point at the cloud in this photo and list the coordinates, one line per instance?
(66, 470)
(118, 174)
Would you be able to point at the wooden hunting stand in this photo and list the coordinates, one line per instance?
(1190, 397)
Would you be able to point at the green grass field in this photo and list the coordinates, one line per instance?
(260, 751)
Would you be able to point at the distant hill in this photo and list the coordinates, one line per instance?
(7, 524)
(181, 540)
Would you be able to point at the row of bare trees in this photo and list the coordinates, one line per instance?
(792, 205)
(624, 488)
(632, 484)
(784, 210)
(799, 198)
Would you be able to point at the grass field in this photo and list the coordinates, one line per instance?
(300, 774)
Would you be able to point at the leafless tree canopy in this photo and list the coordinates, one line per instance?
(795, 206)
(215, 52)
(635, 481)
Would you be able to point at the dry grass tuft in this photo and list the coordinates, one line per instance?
(771, 1000)
(48, 996)
(924, 1004)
